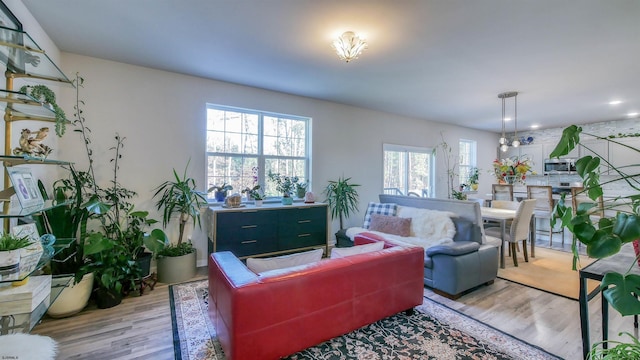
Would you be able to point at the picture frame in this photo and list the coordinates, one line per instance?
(25, 186)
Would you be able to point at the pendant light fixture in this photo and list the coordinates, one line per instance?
(504, 143)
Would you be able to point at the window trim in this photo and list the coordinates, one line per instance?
(261, 157)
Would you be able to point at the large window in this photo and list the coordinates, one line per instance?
(243, 146)
(408, 170)
(467, 159)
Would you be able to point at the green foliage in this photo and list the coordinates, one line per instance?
(474, 175)
(173, 250)
(10, 242)
(606, 236)
(43, 94)
(342, 198)
(617, 350)
(110, 262)
(254, 193)
(219, 188)
(180, 197)
(284, 184)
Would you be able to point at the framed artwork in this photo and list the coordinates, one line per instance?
(25, 186)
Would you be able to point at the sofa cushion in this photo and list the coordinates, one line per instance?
(355, 250)
(378, 208)
(467, 231)
(391, 224)
(280, 262)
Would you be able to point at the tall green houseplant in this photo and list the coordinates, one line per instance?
(180, 197)
(606, 236)
(342, 198)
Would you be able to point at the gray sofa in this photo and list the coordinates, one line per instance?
(455, 268)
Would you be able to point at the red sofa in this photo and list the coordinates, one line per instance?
(271, 317)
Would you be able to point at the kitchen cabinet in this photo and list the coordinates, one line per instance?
(625, 159)
(596, 147)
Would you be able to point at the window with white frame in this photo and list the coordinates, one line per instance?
(243, 146)
(467, 160)
(408, 170)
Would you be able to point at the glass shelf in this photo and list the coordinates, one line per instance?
(25, 107)
(20, 212)
(30, 269)
(25, 59)
(11, 160)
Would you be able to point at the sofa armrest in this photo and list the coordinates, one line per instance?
(454, 249)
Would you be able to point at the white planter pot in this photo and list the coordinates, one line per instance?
(9, 259)
(176, 269)
(72, 299)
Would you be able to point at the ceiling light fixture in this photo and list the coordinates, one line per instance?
(632, 114)
(349, 45)
(615, 102)
(504, 143)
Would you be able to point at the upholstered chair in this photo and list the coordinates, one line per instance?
(543, 194)
(502, 192)
(519, 230)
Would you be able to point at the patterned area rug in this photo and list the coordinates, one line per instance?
(434, 331)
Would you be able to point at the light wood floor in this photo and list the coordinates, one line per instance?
(140, 327)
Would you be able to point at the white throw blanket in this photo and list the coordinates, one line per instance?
(428, 228)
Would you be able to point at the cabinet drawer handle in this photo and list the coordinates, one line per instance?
(249, 241)
(303, 221)
(249, 226)
(303, 235)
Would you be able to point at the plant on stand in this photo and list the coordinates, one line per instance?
(220, 192)
(607, 236)
(284, 185)
(177, 262)
(342, 198)
(45, 95)
(474, 175)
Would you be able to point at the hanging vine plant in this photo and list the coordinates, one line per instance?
(45, 95)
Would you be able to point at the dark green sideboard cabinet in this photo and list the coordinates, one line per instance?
(268, 230)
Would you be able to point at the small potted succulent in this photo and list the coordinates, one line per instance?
(10, 249)
(254, 194)
(301, 189)
(220, 192)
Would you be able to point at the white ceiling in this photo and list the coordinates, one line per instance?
(440, 60)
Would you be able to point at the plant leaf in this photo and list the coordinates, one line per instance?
(620, 291)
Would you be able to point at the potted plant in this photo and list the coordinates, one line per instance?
(254, 194)
(46, 96)
(474, 174)
(342, 198)
(284, 185)
(10, 249)
(606, 236)
(301, 189)
(179, 197)
(220, 192)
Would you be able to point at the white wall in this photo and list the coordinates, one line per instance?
(163, 117)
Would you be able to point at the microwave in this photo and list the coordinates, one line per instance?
(560, 166)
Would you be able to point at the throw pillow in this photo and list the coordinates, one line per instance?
(279, 262)
(391, 225)
(355, 250)
(378, 208)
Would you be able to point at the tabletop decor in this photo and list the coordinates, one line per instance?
(512, 170)
(284, 185)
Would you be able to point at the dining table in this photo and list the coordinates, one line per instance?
(502, 216)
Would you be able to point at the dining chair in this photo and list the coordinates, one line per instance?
(543, 194)
(519, 230)
(502, 192)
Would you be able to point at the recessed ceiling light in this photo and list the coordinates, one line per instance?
(632, 114)
(615, 102)
(507, 119)
(535, 126)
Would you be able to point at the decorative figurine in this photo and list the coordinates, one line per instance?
(31, 143)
